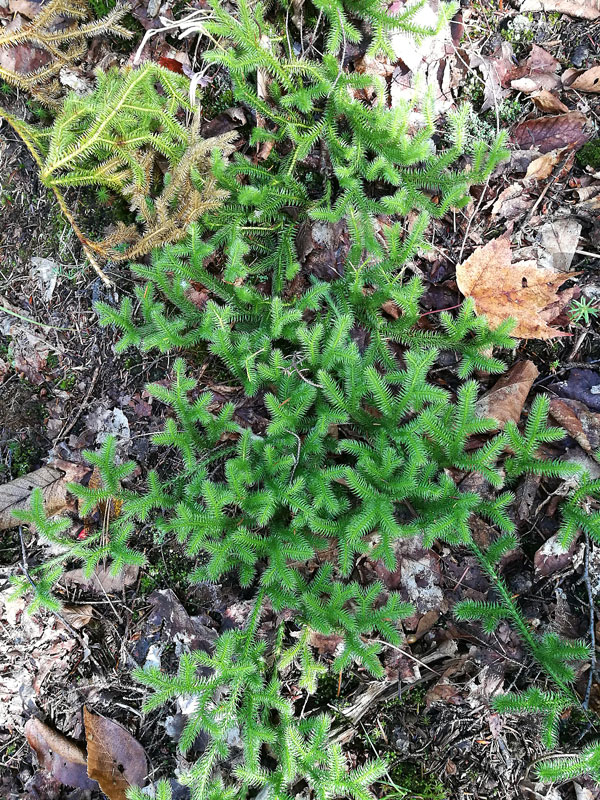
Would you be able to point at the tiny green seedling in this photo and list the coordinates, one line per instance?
(583, 311)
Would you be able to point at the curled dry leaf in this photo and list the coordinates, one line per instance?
(522, 291)
(582, 9)
(62, 758)
(537, 72)
(506, 398)
(541, 168)
(589, 81)
(115, 759)
(551, 557)
(495, 70)
(512, 202)
(548, 102)
(552, 133)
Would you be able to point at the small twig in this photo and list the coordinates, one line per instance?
(587, 253)
(585, 579)
(297, 459)
(471, 218)
(408, 655)
(65, 430)
(5, 310)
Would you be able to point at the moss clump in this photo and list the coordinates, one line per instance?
(589, 155)
(417, 784)
(20, 458)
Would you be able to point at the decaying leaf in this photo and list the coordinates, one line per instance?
(495, 70)
(78, 616)
(15, 495)
(102, 581)
(581, 423)
(505, 400)
(557, 242)
(512, 202)
(115, 759)
(589, 81)
(552, 556)
(552, 133)
(537, 72)
(522, 291)
(62, 758)
(582, 9)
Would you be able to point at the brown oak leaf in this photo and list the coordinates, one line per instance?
(522, 291)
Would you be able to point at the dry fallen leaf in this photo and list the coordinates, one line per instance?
(78, 616)
(582, 9)
(552, 133)
(59, 756)
(546, 101)
(541, 168)
(557, 242)
(115, 759)
(102, 581)
(495, 70)
(512, 202)
(537, 72)
(505, 400)
(581, 423)
(521, 291)
(15, 495)
(589, 81)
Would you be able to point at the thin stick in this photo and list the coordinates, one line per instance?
(65, 430)
(5, 310)
(585, 578)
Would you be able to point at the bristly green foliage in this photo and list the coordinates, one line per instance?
(239, 689)
(314, 104)
(360, 448)
(568, 768)
(108, 546)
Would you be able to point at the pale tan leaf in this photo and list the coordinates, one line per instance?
(78, 616)
(546, 101)
(582, 9)
(505, 400)
(589, 81)
(115, 759)
(557, 241)
(541, 168)
(16, 494)
(522, 291)
(102, 581)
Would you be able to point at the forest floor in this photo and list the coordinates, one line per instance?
(63, 388)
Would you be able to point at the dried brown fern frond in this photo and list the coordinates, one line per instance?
(188, 192)
(60, 32)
